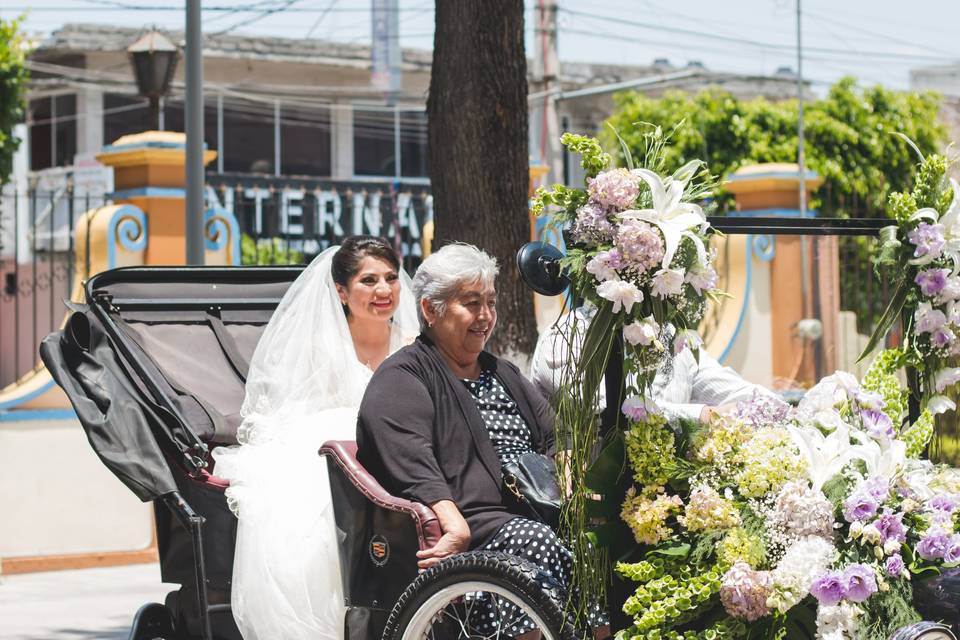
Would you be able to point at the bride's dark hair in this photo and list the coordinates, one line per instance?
(346, 261)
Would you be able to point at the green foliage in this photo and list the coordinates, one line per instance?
(848, 139)
(267, 252)
(13, 89)
(593, 158)
(888, 609)
(918, 435)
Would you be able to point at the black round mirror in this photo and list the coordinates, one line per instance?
(539, 265)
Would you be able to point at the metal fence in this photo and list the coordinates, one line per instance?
(37, 268)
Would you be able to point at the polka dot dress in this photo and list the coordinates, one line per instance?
(533, 541)
(508, 432)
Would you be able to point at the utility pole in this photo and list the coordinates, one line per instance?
(545, 123)
(193, 229)
(801, 158)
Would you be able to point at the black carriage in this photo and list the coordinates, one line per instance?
(155, 365)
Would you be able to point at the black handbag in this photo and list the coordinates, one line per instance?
(532, 480)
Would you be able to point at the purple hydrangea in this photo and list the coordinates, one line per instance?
(859, 583)
(932, 281)
(877, 423)
(615, 189)
(828, 589)
(934, 545)
(891, 527)
(894, 566)
(592, 225)
(640, 244)
(928, 238)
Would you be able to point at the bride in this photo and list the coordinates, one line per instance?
(348, 310)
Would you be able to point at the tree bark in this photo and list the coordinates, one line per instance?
(479, 167)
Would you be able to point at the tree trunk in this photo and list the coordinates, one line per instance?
(479, 173)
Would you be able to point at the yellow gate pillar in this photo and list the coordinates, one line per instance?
(149, 173)
(773, 190)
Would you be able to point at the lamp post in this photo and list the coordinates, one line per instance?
(154, 61)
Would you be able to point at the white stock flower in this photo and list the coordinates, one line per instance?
(642, 332)
(947, 378)
(621, 294)
(667, 282)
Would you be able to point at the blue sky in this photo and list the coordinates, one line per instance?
(876, 40)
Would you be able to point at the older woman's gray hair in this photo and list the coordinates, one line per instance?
(444, 272)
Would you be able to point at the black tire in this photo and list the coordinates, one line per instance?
(509, 574)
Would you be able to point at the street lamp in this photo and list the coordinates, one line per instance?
(154, 60)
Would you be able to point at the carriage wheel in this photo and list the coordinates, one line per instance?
(451, 601)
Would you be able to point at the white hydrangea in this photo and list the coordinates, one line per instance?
(837, 622)
(803, 561)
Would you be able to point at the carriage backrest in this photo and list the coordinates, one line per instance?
(197, 331)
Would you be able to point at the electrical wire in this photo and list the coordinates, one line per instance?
(320, 18)
(771, 46)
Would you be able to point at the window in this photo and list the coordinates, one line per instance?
(248, 141)
(174, 119)
(53, 131)
(413, 144)
(305, 141)
(123, 115)
(373, 142)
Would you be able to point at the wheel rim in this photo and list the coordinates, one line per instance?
(454, 605)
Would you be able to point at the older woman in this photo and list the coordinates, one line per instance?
(442, 415)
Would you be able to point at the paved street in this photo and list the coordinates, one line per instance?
(76, 605)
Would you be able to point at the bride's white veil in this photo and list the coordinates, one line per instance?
(305, 360)
(303, 388)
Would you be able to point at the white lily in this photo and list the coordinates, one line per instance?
(674, 218)
(826, 455)
(882, 460)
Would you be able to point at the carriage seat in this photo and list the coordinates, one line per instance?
(343, 453)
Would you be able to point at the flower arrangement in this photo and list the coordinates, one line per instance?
(637, 253)
(811, 520)
(920, 255)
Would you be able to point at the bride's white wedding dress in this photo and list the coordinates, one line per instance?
(304, 386)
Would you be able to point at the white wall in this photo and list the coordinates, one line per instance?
(56, 497)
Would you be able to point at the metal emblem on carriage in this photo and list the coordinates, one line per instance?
(379, 550)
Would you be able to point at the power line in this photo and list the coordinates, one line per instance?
(320, 18)
(772, 46)
(256, 18)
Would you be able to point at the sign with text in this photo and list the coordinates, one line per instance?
(312, 215)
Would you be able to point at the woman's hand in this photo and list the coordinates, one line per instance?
(455, 538)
